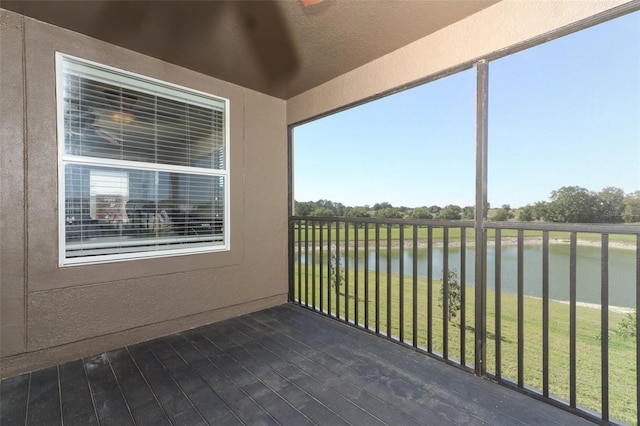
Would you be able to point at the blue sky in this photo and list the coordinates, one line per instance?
(566, 112)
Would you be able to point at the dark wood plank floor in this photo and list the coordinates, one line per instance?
(284, 365)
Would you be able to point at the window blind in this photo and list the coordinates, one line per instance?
(143, 166)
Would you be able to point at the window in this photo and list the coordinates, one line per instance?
(142, 166)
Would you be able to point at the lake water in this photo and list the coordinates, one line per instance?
(622, 270)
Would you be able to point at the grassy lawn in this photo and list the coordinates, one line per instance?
(622, 363)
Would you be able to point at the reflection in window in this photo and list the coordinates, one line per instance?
(108, 193)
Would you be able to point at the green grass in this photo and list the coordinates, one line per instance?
(622, 362)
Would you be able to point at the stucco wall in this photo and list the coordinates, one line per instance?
(505, 24)
(12, 238)
(51, 314)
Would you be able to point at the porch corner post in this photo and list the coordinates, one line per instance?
(290, 214)
(482, 86)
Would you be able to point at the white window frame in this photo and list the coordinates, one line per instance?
(142, 83)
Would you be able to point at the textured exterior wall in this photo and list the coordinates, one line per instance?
(12, 187)
(52, 314)
(498, 27)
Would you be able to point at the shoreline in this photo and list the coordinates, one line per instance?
(615, 309)
(612, 244)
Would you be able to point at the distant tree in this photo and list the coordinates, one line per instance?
(468, 213)
(632, 207)
(540, 210)
(322, 211)
(357, 212)
(526, 213)
(324, 203)
(611, 205)
(389, 213)
(435, 210)
(303, 208)
(339, 209)
(573, 204)
(404, 210)
(450, 212)
(503, 214)
(420, 213)
(380, 206)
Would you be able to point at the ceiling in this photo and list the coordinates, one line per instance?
(281, 48)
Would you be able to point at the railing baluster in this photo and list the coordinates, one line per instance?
(572, 319)
(389, 294)
(320, 266)
(430, 289)
(337, 270)
(520, 308)
(445, 293)
(604, 325)
(401, 286)
(346, 271)
(300, 262)
(415, 286)
(377, 278)
(329, 267)
(366, 275)
(498, 301)
(545, 314)
(356, 283)
(313, 264)
(463, 299)
(290, 260)
(306, 264)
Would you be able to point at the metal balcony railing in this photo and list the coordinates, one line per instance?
(533, 306)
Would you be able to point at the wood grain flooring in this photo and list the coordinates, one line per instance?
(281, 366)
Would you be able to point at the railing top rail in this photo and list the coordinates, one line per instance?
(385, 221)
(596, 228)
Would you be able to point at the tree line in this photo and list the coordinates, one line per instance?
(569, 204)
(385, 210)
